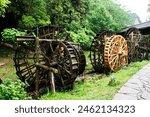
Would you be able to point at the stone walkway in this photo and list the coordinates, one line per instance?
(137, 88)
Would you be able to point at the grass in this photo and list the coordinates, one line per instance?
(97, 88)
(7, 70)
(88, 62)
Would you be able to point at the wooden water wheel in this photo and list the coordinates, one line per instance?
(58, 33)
(116, 53)
(133, 38)
(97, 50)
(54, 53)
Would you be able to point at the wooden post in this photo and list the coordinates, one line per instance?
(50, 75)
(37, 69)
(52, 82)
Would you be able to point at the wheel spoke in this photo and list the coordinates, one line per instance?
(115, 48)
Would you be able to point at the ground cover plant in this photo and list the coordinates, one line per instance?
(13, 90)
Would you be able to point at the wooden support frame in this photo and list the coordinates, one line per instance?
(37, 69)
(51, 70)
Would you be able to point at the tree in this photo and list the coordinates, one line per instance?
(101, 15)
(29, 13)
(81, 18)
(63, 12)
(3, 6)
(107, 15)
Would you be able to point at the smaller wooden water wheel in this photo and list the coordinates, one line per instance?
(116, 53)
(133, 38)
(97, 50)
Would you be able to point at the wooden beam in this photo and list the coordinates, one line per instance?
(8, 45)
(52, 82)
(47, 68)
(50, 40)
(25, 38)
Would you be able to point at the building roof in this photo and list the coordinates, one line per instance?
(141, 26)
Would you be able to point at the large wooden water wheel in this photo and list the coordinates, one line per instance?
(97, 50)
(133, 37)
(116, 53)
(54, 54)
(59, 33)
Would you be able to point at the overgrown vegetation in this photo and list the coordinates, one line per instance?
(13, 90)
(3, 6)
(9, 35)
(96, 87)
(81, 18)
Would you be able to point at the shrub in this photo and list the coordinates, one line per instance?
(27, 22)
(13, 90)
(83, 37)
(9, 34)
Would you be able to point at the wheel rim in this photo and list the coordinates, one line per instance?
(116, 53)
(25, 64)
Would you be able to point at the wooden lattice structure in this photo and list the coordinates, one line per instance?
(48, 59)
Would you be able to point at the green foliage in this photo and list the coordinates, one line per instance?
(3, 6)
(9, 35)
(63, 12)
(81, 18)
(13, 90)
(107, 15)
(83, 36)
(27, 22)
(29, 11)
(100, 15)
(37, 9)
